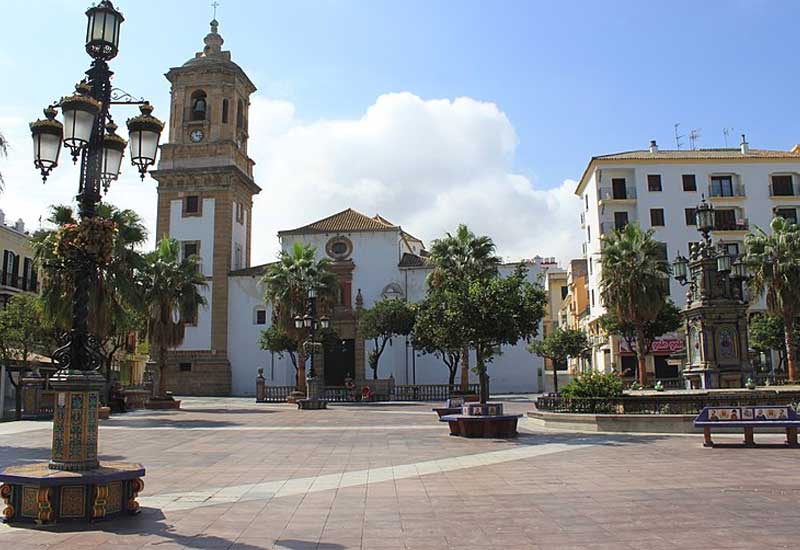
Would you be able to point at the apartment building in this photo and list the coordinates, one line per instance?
(574, 310)
(18, 274)
(660, 189)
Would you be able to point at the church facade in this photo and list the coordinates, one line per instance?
(205, 197)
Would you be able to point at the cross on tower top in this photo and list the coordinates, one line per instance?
(215, 5)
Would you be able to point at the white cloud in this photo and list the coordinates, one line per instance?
(427, 165)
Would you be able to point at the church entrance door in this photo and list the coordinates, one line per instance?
(340, 362)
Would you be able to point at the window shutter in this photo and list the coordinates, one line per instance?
(5, 267)
(15, 271)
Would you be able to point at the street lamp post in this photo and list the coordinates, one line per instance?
(311, 323)
(88, 131)
(715, 316)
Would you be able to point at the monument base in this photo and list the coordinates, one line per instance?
(33, 493)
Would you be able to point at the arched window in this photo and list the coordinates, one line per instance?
(224, 111)
(199, 105)
(239, 115)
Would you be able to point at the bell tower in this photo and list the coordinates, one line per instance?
(205, 199)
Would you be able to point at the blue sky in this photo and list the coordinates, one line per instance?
(574, 79)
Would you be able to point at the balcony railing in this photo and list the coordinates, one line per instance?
(736, 190)
(740, 224)
(8, 279)
(608, 227)
(611, 194)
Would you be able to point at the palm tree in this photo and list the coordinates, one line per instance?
(287, 283)
(774, 263)
(458, 258)
(115, 292)
(634, 282)
(171, 292)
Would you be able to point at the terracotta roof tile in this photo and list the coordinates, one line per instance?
(411, 260)
(345, 221)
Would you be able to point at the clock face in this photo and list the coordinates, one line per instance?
(196, 136)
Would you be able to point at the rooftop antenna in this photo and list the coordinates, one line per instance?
(726, 132)
(678, 137)
(694, 135)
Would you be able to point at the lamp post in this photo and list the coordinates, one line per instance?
(88, 131)
(715, 316)
(311, 323)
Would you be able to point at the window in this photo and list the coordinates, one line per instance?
(190, 248)
(185, 367)
(589, 233)
(592, 297)
(620, 220)
(586, 200)
(657, 217)
(564, 292)
(689, 182)
(691, 216)
(239, 213)
(224, 111)
(191, 205)
(654, 182)
(782, 186)
(261, 316)
(590, 266)
(618, 189)
(731, 249)
(662, 252)
(787, 214)
(725, 219)
(721, 186)
(198, 106)
(239, 115)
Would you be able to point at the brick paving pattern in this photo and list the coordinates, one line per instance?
(227, 473)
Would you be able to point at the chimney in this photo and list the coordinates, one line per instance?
(653, 146)
(744, 146)
(2, 218)
(19, 226)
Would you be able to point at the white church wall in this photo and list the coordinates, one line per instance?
(239, 239)
(197, 228)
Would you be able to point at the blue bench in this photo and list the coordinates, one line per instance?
(748, 418)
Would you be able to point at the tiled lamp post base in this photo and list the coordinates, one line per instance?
(73, 485)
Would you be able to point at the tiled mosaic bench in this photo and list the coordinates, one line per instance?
(748, 418)
(482, 420)
(453, 405)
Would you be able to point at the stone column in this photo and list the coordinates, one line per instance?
(358, 344)
(77, 398)
(261, 390)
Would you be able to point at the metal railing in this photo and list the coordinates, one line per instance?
(739, 224)
(277, 394)
(400, 392)
(611, 194)
(429, 392)
(662, 404)
(735, 190)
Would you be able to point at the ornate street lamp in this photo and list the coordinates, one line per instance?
(90, 134)
(324, 322)
(298, 322)
(723, 261)
(679, 269)
(47, 135)
(704, 215)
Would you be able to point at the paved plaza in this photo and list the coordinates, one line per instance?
(227, 473)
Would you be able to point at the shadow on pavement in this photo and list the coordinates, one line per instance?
(10, 455)
(305, 544)
(169, 423)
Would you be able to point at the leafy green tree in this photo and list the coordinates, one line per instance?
(773, 260)
(386, 319)
(668, 320)
(457, 259)
(766, 333)
(24, 331)
(437, 334)
(171, 290)
(115, 295)
(634, 283)
(287, 283)
(495, 312)
(276, 340)
(559, 346)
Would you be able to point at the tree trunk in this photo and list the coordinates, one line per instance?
(301, 368)
(453, 370)
(465, 369)
(641, 346)
(791, 348)
(483, 379)
(162, 372)
(17, 395)
(555, 377)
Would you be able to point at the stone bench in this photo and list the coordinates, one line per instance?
(453, 406)
(748, 418)
(482, 420)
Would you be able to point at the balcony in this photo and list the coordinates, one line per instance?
(617, 194)
(734, 191)
(9, 281)
(739, 224)
(608, 227)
